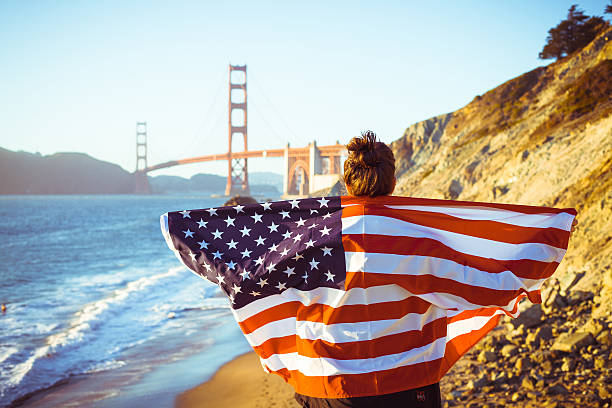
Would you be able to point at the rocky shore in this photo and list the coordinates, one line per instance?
(554, 355)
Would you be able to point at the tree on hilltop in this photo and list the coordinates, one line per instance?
(608, 9)
(572, 34)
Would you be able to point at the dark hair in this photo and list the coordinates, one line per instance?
(369, 169)
(240, 200)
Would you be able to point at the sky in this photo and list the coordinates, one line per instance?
(78, 75)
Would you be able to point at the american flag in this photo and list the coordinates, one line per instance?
(354, 296)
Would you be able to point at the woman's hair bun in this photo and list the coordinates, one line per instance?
(363, 149)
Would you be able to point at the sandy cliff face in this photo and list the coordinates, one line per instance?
(543, 138)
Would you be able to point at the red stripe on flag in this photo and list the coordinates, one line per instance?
(394, 200)
(378, 347)
(492, 230)
(424, 284)
(384, 244)
(332, 315)
(366, 384)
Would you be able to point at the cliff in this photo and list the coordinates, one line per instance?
(543, 138)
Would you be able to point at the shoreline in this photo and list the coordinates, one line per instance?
(228, 388)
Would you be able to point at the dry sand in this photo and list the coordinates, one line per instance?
(241, 383)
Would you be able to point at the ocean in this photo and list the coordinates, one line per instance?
(95, 297)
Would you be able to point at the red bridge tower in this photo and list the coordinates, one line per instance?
(237, 176)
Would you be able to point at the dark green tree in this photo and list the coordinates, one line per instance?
(571, 34)
(608, 9)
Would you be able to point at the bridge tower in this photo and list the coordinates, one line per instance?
(237, 176)
(142, 182)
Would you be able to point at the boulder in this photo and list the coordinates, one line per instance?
(529, 317)
(571, 342)
(568, 280)
(486, 356)
(509, 350)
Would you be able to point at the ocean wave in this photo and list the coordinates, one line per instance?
(83, 321)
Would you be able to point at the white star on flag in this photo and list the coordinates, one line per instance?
(212, 211)
(295, 204)
(185, 214)
(202, 223)
(330, 276)
(310, 243)
(289, 271)
(256, 217)
(246, 253)
(324, 231)
(260, 240)
(229, 221)
(239, 208)
(245, 231)
(266, 205)
(262, 282)
(323, 202)
(188, 233)
(273, 227)
(281, 286)
(231, 265)
(236, 289)
(326, 251)
(232, 244)
(217, 255)
(217, 234)
(313, 264)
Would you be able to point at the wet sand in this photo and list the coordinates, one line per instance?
(241, 383)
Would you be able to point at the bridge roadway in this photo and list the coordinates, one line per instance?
(293, 151)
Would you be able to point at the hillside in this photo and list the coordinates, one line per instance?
(78, 173)
(61, 173)
(543, 138)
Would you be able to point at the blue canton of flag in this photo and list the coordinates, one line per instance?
(260, 250)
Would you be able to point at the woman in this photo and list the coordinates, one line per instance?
(370, 171)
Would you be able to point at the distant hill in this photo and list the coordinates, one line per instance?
(78, 173)
(264, 183)
(61, 173)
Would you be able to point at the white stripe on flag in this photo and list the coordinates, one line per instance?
(326, 366)
(325, 296)
(376, 224)
(343, 332)
(413, 265)
(545, 220)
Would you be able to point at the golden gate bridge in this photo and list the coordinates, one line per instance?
(306, 169)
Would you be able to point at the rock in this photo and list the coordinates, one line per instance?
(604, 392)
(605, 338)
(595, 326)
(547, 367)
(570, 342)
(530, 317)
(599, 363)
(568, 280)
(544, 332)
(509, 350)
(486, 356)
(455, 189)
(568, 364)
(522, 364)
(500, 377)
(527, 383)
(557, 389)
(516, 397)
(578, 296)
(540, 356)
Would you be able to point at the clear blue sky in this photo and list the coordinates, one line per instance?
(77, 75)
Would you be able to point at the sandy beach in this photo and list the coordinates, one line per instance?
(240, 383)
